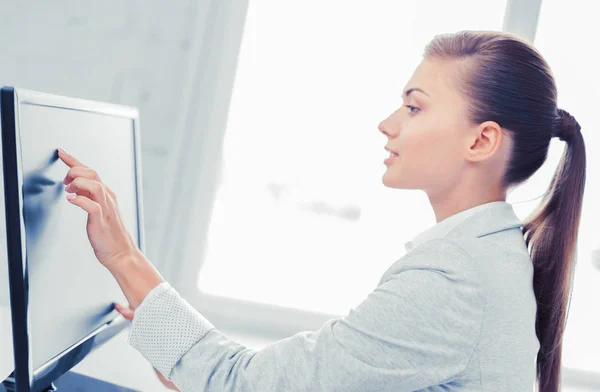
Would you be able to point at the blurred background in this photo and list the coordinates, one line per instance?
(262, 161)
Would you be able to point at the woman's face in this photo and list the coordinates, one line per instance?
(429, 132)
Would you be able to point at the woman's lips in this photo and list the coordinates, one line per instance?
(393, 155)
(388, 161)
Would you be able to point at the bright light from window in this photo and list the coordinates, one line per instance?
(302, 218)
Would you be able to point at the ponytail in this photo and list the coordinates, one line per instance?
(551, 235)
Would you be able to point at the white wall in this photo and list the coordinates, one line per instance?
(136, 53)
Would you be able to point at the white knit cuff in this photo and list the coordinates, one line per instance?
(165, 326)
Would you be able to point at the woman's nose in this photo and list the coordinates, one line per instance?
(385, 130)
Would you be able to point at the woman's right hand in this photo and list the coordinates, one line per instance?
(128, 314)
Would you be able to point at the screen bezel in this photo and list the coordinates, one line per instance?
(24, 377)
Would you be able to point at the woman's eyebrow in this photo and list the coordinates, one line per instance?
(410, 90)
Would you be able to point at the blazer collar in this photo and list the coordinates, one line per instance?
(475, 222)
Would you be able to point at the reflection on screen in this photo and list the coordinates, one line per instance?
(70, 293)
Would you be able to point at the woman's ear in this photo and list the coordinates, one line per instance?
(485, 141)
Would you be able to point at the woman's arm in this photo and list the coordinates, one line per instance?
(136, 277)
(418, 328)
(113, 245)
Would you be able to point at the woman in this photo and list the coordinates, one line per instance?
(476, 298)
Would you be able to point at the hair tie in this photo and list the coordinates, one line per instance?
(567, 126)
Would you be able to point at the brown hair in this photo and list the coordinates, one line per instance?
(506, 80)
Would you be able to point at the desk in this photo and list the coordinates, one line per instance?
(119, 364)
(75, 382)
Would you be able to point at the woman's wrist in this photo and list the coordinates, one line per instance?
(136, 277)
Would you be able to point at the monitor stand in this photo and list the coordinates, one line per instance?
(71, 382)
(49, 388)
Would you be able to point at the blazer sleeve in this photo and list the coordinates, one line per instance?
(418, 328)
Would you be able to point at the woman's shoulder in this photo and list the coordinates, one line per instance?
(465, 259)
(449, 257)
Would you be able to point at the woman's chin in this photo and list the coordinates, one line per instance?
(391, 181)
(394, 179)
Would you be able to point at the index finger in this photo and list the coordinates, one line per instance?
(68, 159)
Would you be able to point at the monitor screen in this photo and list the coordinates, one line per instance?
(70, 292)
(61, 296)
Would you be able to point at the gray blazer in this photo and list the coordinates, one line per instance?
(456, 313)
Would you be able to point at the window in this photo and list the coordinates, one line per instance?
(301, 211)
(564, 38)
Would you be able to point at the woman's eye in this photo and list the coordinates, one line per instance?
(412, 109)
